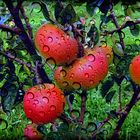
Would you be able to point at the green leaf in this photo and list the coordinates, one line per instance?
(58, 9)
(93, 34)
(135, 30)
(68, 15)
(105, 87)
(110, 95)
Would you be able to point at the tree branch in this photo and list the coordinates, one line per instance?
(9, 29)
(24, 36)
(106, 120)
(83, 105)
(112, 14)
(19, 61)
(26, 21)
(126, 112)
(123, 26)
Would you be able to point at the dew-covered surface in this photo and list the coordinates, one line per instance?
(43, 103)
(54, 43)
(13, 120)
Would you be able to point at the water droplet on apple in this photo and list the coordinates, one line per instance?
(46, 48)
(30, 95)
(76, 85)
(53, 108)
(91, 57)
(45, 99)
(50, 39)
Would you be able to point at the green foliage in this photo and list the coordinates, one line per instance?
(101, 102)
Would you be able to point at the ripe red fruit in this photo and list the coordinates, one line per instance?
(60, 75)
(109, 53)
(43, 103)
(54, 43)
(31, 133)
(134, 69)
(86, 72)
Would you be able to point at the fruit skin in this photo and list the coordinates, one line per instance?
(43, 103)
(109, 53)
(52, 42)
(31, 133)
(60, 77)
(134, 69)
(85, 72)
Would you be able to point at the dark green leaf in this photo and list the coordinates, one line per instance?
(93, 34)
(135, 30)
(58, 9)
(9, 99)
(105, 87)
(110, 95)
(68, 15)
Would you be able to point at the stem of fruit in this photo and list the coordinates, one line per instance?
(128, 108)
(112, 14)
(83, 105)
(24, 36)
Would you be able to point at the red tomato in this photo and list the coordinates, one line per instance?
(54, 43)
(134, 69)
(43, 103)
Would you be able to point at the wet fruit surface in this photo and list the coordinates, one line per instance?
(31, 133)
(86, 72)
(109, 53)
(43, 103)
(54, 43)
(134, 69)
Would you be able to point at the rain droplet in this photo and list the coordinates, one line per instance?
(30, 95)
(63, 72)
(76, 85)
(63, 38)
(91, 57)
(90, 67)
(86, 75)
(53, 108)
(28, 101)
(46, 48)
(54, 92)
(41, 113)
(50, 39)
(101, 62)
(30, 111)
(68, 57)
(65, 83)
(108, 55)
(36, 101)
(91, 82)
(35, 133)
(48, 93)
(45, 99)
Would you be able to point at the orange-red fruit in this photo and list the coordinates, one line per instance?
(54, 43)
(60, 75)
(86, 72)
(43, 103)
(31, 133)
(134, 69)
(109, 53)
